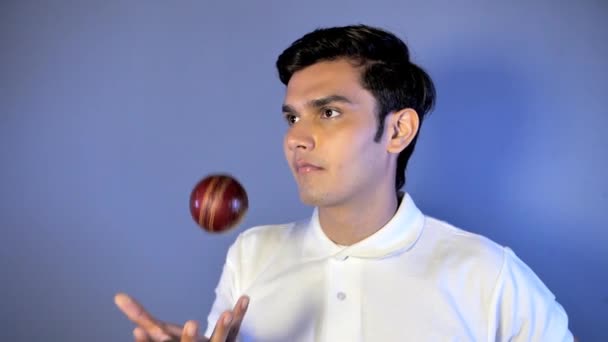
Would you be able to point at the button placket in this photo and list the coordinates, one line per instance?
(343, 307)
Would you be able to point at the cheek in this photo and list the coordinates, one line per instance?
(288, 153)
(355, 151)
(285, 147)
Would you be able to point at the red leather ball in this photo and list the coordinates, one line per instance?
(218, 203)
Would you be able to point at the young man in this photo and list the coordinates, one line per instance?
(367, 265)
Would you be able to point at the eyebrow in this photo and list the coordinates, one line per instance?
(318, 103)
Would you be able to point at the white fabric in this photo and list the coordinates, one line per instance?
(416, 279)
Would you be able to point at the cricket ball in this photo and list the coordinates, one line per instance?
(218, 203)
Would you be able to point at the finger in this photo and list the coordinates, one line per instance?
(140, 335)
(239, 313)
(172, 329)
(190, 332)
(136, 313)
(222, 327)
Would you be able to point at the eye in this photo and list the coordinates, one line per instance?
(291, 119)
(328, 113)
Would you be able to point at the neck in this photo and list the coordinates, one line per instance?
(351, 222)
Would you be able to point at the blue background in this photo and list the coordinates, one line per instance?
(110, 111)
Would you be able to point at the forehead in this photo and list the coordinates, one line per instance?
(325, 78)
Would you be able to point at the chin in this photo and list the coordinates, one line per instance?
(309, 200)
(316, 199)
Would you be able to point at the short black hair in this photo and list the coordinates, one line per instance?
(387, 72)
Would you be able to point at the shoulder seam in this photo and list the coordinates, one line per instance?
(494, 299)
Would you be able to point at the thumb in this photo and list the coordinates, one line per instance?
(190, 332)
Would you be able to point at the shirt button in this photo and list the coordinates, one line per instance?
(341, 295)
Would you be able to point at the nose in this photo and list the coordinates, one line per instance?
(300, 137)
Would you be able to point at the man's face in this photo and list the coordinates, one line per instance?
(330, 141)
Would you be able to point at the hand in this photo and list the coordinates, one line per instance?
(150, 329)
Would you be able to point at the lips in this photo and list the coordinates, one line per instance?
(304, 167)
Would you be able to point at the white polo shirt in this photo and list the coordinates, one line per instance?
(416, 279)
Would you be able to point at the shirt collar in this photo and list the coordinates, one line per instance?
(399, 234)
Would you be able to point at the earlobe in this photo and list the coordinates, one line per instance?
(404, 127)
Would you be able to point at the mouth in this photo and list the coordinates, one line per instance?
(303, 168)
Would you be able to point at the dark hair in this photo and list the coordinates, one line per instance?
(394, 81)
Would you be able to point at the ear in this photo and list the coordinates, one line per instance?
(402, 128)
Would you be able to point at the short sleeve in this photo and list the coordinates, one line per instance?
(225, 290)
(523, 308)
